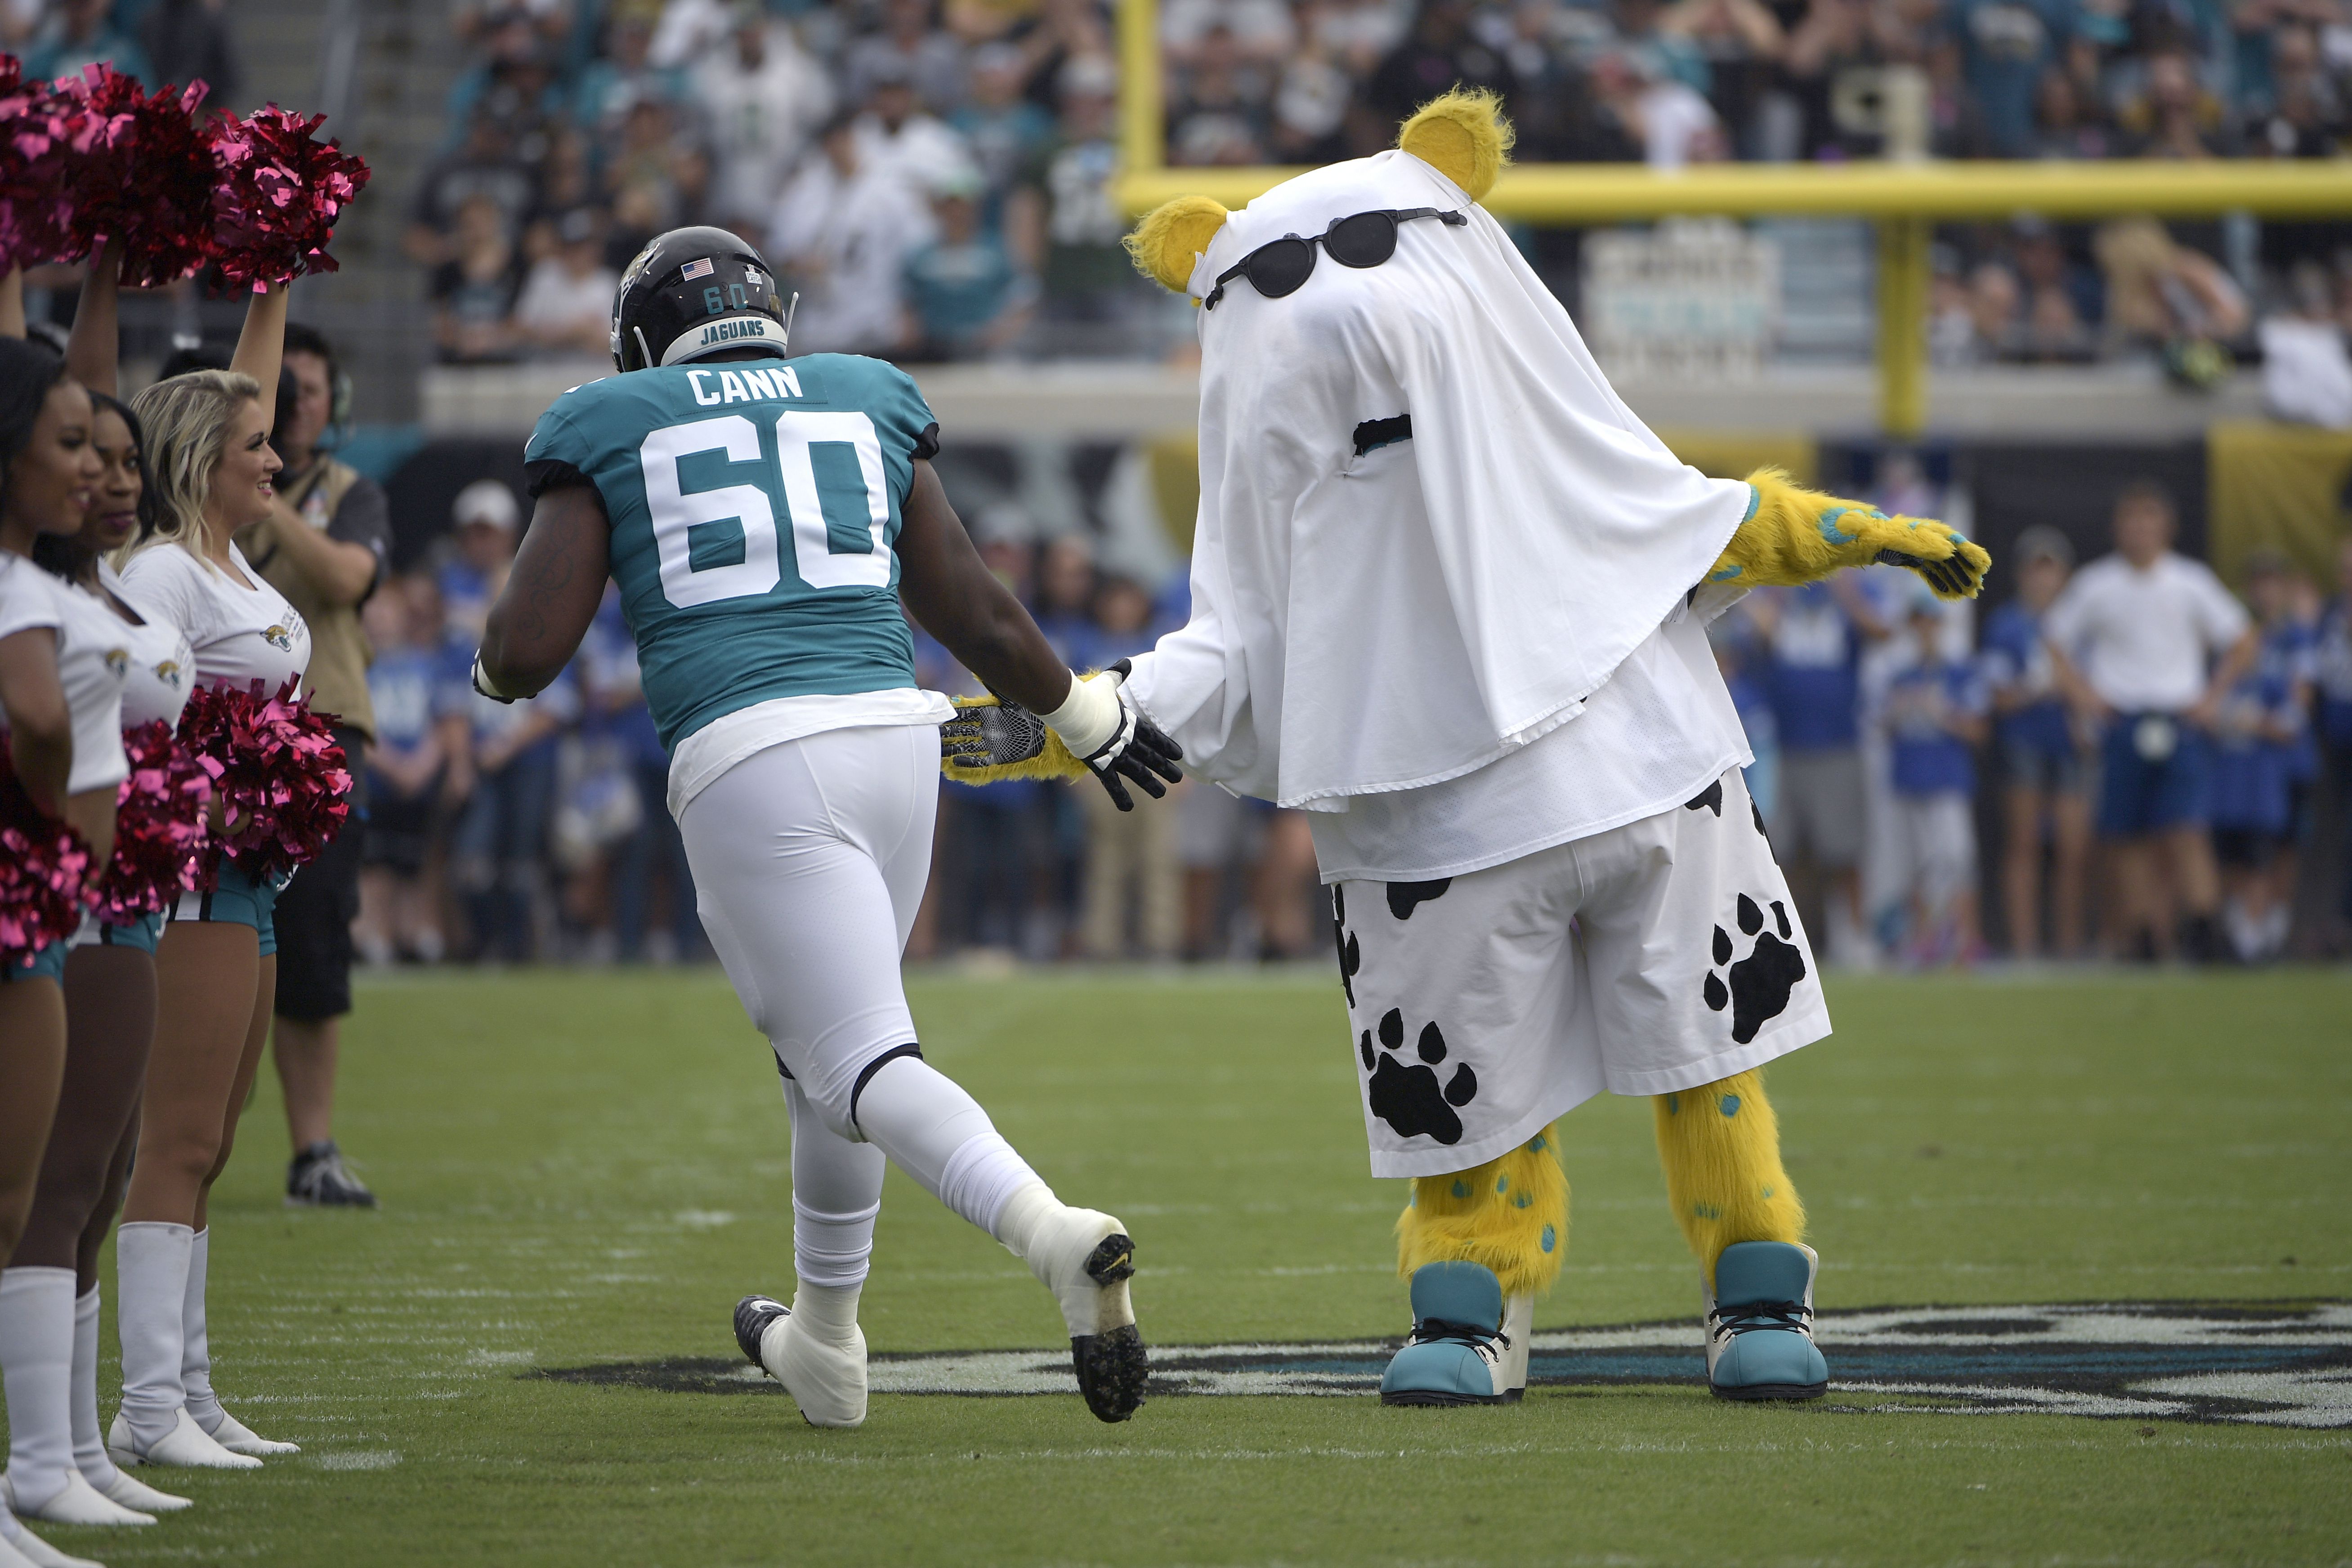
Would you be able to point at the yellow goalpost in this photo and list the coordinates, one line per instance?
(1902, 199)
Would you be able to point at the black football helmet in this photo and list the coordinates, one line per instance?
(691, 292)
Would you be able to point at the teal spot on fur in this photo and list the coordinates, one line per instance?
(1524, 1200)
(1674, 1104)
(1550, 1239)
(1755, 500)
(1537, 1145)
(1502, 1184)
(1830, 532)
(1706, 1211)
(1767, 1192)
(1731, 1105)
(1727, 575)
(1461, 1189)
(1413, 1199)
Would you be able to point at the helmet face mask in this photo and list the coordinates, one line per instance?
(693, 292)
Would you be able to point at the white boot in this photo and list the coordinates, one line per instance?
(89, 1440)
(197, 1364)
(37, 1364)
(186, 1446)
(1086, 1260)
(151, 1260)
(77, 1503)
(20, 1548)
(817, 1352)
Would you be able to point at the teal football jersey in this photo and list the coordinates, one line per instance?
(754, 508)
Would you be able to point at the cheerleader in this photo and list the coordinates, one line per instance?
(58, 1469)
(61, 688)
(209, 452)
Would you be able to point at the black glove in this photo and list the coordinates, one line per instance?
(1138, 750)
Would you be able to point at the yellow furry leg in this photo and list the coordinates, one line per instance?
(1510, 1215)
(1721, 1149)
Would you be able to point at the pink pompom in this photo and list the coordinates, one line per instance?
(285, 792)
(36, 190)
(277, 196)
(44, 865)
(141, 173)
(160, 831)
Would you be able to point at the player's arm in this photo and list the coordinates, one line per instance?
(958, 600)
(551, 596)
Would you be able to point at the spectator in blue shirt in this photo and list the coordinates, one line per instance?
(2045, 799)
(482, 548)
(2005, 46)
(965, 298)
(406, 766)
(1936, 717)
(2259, 733)
(1813, 681)
(613, 689)
(502, 771)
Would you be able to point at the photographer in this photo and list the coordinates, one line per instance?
(324, 546)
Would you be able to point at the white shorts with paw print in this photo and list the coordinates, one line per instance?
(1658, 956)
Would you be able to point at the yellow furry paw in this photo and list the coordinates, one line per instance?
(1793, 535)
(1464, 137)
(1167, 245)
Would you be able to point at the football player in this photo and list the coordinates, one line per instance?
(763, 517)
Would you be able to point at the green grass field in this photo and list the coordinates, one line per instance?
(583, 1169)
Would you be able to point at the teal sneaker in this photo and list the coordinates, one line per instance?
(1760, 1323)
(1458, 1346)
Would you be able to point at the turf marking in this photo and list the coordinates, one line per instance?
(2266, 1365)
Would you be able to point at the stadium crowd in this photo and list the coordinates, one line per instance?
(931, 176)
(1909, 754)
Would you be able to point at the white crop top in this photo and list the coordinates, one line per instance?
(238, 633)
(91, 663)
(163, 667)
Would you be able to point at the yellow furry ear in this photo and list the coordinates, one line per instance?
(1464, 137)
(1169, 239)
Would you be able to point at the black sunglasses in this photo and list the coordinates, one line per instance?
(1282, 266)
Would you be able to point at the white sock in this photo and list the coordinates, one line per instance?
(836, 1196)
(1023, 1213)
(196, 1345)
(150, 1262)
(36, 1363)
(827, 1313)
(88, 1437)
(938, 1134)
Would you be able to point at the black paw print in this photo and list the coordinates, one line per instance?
(1711, 799)
(1408, 1098)
(1761, 982)
(1351, 955)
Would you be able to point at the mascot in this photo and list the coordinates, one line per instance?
(1449, 597)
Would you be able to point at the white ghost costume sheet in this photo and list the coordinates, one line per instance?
(1378, 622)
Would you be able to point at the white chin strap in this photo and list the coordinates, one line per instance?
(720, 333)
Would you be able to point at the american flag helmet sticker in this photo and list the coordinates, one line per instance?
(702, 269)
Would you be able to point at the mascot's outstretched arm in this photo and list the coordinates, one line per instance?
(1793, 535)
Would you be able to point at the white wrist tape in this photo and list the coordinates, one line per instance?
(1090, 716)
(483, 684)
